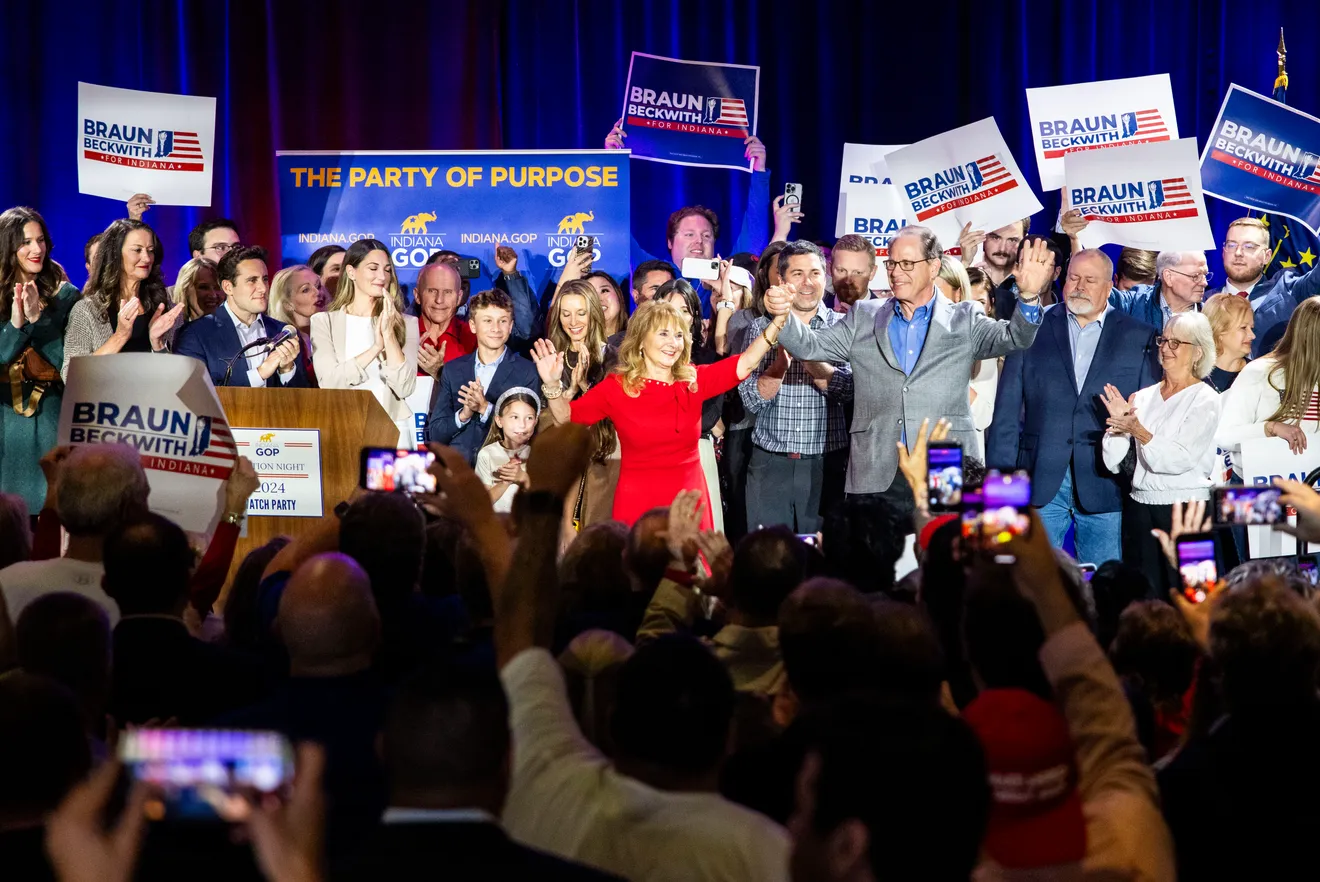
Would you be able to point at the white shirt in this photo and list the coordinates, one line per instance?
(568, 799)
(28, 580)
(248, 334)
(986, 386)
(489, 460)
(1247, 405)
(1178, 462)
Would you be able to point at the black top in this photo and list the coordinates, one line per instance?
(1220, 380)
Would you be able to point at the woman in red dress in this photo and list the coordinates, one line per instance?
(654, 397)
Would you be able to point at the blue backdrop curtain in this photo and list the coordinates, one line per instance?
(550, 74)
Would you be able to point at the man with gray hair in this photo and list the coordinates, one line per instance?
(911, 354)
(99, 487)
(1180, 282)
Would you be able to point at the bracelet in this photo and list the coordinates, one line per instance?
(726, 304)
(551, 392)
(766, 336)
(234, 517)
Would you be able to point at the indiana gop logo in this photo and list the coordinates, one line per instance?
(1267, 155)
(687, 112)
(959, 186)
(1129, 202)
(135, 146)
(1059, 137)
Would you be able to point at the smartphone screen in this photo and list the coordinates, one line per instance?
(1251, 506)
(1197, 566)
(809, 539)
(1006, 498)
(204, 774)
(944, 476)
(387, 469)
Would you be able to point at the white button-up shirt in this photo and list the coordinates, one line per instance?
(248, 334)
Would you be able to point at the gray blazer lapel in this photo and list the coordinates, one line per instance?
(883, 316)
(941, 315)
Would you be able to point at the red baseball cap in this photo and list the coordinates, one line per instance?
(1036, 813)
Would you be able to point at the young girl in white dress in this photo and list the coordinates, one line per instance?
(502, 461)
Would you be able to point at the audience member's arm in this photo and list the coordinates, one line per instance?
(515, 284)
(46, 538)
(754, 227)
(913, 467)
(209, 577)
(466, 499)
(673, 607)
(1072, 223)
(828, 344)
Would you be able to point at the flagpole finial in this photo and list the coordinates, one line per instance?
(1283, 55)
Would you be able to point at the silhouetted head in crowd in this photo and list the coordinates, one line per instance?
(1002, 634)
(767, 565)
(828, 637)
(1154, 650)
(443, 535)
(43, 747)
(591, 664)
(386, 534)
(101, 486)
(1264, 648)
(66, 637)
(862, 538)
(1114, 585)
(327, 619)
(1281, 569)
(672, 714)
(243, 624)
(888, 791)
(596, 590)
(647, 554)
(148, 566)
(446, 743)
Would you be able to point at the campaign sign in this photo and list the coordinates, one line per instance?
(539, 203)
(1093, 116)
(1264, 155)
(1263, 460)
(288, 464)
(966, 175)
(164, 407)
(145, 142)
(864, 169)
(690, 112)
(1141, 196)
(420, 402)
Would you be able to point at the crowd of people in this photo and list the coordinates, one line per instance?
(650, 625)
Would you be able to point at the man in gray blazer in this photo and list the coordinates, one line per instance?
(912, 355)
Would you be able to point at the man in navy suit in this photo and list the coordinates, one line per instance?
(218, 338)
(1055, 385)
(471, 384)
(1246, 255)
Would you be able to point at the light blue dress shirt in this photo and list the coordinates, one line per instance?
(1083, 341)
(485, 376)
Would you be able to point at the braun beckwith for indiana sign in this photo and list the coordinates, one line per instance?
(145, 142)
(690, 112)
(1264, 155)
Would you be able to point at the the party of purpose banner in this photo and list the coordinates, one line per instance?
(1265, 155)
(539, 203)
(690, 112)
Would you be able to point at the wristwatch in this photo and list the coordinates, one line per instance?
(234, 517)
(726, 304)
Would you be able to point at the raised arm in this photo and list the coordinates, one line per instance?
(992, 338)
(828, 344)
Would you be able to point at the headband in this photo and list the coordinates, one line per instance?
(499, 403)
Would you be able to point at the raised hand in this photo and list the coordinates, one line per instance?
(755, 152)
(506, 259)
(1073, 222)
(785, 216)
(432, 360)
(138, 204)
(913, 464)
(288, 838)
(240, 485)
(715, 548)
(684, 525)
(81, 846)
(968, 241)
(576, 266)
(614, 140)
(129, 310)
(778, 299)
(1188, 517)
(1035, 268)
(549, 363)
(1303, 499)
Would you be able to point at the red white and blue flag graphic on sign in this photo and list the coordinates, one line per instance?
(1113, 130)
(690, 112)
(977, 181)
(179, 145)
(1131, 202)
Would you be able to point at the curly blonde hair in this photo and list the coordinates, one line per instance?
(652, 316)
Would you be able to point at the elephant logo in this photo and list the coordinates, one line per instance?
(572, 223)
(268, 436)
(417, 223)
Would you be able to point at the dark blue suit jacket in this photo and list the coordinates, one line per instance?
(1061, 427)
(212, 339)
(441, 428)
(1273, 301)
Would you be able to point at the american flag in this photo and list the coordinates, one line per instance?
(220, 449)
(992, 171)
(1149, 122)
(186, 146)
(1176, 193)
(732, 112)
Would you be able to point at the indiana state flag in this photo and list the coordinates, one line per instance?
(1294, 246)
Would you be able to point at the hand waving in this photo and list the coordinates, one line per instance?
(684, 525)
(1035, 268)
(549, 363)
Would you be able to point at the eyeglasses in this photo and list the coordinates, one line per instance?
(906, 266)
(1172, 343)
(1195, 277)
(222, 248)
(1247, 248)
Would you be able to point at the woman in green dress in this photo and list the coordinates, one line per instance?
(35, 299)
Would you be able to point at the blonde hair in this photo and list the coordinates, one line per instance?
(595, 319)
(185, 285)
(281, 294)
(1253, 223)
(1297, 362)
(652, 316)
(1226, 312)
(953, 273)
(1197, 326)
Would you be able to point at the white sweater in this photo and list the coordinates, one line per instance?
(1248, 403)
(1177, 463)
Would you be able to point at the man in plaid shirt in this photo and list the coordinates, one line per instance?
(798, 407)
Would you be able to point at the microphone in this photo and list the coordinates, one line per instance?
(285, 333)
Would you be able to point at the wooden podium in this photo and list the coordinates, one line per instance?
(349, 419)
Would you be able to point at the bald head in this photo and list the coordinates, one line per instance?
(439, 292)
(328, 620)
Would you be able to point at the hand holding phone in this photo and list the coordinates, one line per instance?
(388, 469)
(1197, 565)
(944, 475)
(1248, 505)
(793, 194)
(701, 268)
(1000, 512)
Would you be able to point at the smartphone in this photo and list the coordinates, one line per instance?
(701, 269)
(388, 469)
(1088, 570)
(1197, 564)
(1254, 505)
(809, 539)
(1306, 565)
(999, 512)
(206, 774)
(944, 475)
(583, 244)
(469, 268)
(793, 194)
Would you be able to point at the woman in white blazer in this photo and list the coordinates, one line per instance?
(365, 341)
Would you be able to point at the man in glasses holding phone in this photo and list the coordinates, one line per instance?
(911, 355)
